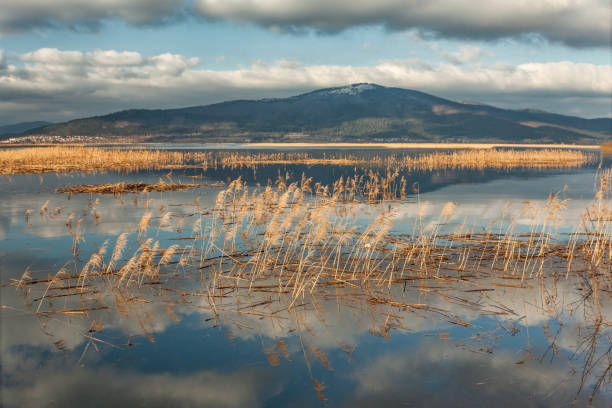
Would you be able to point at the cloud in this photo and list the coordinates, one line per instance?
(572, 22)
(172, 64)
(112, 57)
(78, 387)
(466, 54)
(55, 84)
(24, 15)
(53, 56)
(2, 61)
(441, 376)
(578, 23)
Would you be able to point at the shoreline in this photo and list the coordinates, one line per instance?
(395, 145)
(426, 145)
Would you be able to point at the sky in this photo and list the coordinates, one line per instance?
(65, 59)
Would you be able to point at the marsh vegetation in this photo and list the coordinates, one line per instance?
(291, 262)
(59, 159)
(118, 188)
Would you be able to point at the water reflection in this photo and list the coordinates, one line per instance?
(105, 386)
(193, 331)
(416, 378)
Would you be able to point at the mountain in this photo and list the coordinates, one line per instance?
(358, 112)
(17, 128)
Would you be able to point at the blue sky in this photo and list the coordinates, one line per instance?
(70, 58)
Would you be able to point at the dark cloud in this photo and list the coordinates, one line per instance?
(577, 23)
(574, 23)
(25, 15)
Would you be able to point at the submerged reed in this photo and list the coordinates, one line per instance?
(278, 252)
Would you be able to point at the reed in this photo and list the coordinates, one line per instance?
(495, 159)
(239, 159)
(304, 235)
(118, 188)
(306, 238)
(278, 252)
(89, 159)
(456, 159)
(605, 180)
(68, 159)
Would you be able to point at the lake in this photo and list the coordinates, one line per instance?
(288, 283)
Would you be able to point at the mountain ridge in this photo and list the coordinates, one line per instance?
(357, 112)
(17, 128)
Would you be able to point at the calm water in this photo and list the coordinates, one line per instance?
(520, 347)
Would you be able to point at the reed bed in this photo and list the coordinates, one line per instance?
(280, 252)
(282, 222)
(118, 188)
(457, 159)
(607, 148)
(239, 159)
(495, 159)
(89, 159)
(68, 159)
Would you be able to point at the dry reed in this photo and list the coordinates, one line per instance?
(278, 252)
(496, 159)
(67, 159)
(118, 188)
(457, 159)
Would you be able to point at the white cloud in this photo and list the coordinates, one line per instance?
(173, 64)
(466, 54)
(112, 57)
(573, 22)
(56, 84)
(53, 56)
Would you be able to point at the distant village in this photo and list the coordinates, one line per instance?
(47, 139)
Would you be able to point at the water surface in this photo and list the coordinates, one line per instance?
(521, 345)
